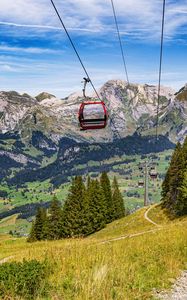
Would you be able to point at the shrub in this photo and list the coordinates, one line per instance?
(27, 279)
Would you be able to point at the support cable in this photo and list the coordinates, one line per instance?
(160, 66)
(80, 60)
(120, 42)
(74, 48)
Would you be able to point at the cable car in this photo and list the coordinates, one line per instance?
(140, 183)
(153, 174)
(92, 112)
(140, 167)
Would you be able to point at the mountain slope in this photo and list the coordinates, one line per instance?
(96, 268)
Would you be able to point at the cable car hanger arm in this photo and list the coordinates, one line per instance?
(86, 80)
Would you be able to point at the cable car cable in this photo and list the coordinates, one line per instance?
(80, 60)
(74, 48)
(120, 42)
(160, 65)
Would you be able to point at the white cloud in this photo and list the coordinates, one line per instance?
(27, 11)
(46, 27)
(138, 18)
(7, 68)
(32, 50)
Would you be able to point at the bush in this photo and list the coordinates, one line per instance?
(27, 279)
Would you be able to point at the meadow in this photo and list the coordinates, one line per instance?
(127, 260)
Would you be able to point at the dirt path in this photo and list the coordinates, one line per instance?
(130, 236)
(2, 261)
(139, 233)
(146, 215)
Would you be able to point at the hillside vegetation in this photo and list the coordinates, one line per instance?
(124, 261)
(174, 187)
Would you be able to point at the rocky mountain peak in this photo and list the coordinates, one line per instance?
(182, 93)
(132, 108)
(43, 96)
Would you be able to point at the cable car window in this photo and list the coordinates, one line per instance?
(93, 111)
(93, 115)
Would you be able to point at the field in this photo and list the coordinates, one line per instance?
(125, 261)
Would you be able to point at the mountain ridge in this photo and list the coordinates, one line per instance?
(131, 108)
(38, 137)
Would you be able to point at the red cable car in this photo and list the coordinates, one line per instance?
(153, 174)
(92, 114)
(140, 183)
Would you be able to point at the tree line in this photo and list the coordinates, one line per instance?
(87, 209)
(174, 187)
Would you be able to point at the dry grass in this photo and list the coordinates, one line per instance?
(127, 269)
(8, 220)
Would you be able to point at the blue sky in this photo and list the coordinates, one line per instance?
(35, 54)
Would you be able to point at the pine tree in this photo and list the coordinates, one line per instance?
(181, 206)
(118, 204)
(32, 236)
(169, 187)
(106, 187)
(181, 201)
(44, 217)
(173, 187)
(97, 207)
(73, 210)
(37, 229)
(88, 182)
(54, 223)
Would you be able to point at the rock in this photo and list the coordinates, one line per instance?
(178, 292)
(43, 96)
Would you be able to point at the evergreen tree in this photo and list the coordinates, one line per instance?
(118, 204)
(88, 182)
(181, 206)
(73, 210)
(181, 201)
(169, 187)
(44, 234)
(97, 207)
(37, 229)
(54, 224)
(173, 187)
(106, 187)
(32, 236)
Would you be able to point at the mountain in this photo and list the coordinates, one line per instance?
(132, 108)
(40, 135)
(182, 93)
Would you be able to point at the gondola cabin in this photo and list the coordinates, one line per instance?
(140, 167)
(92, 115)
(140, 183)
(153, 174)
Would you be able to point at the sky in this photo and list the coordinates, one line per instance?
(36, 55)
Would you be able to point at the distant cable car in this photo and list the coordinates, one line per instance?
(153, 174)
(140, 183)
(140, 167)
(92, 113)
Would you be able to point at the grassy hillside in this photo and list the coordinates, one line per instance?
(124, 261)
